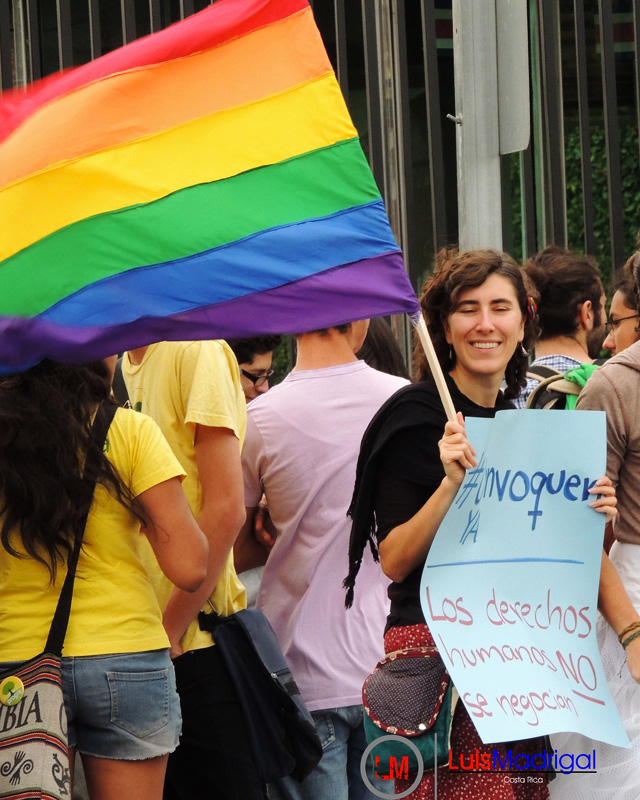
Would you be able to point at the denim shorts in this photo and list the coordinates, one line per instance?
(123, 706)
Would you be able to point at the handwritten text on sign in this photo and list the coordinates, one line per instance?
(510, 585)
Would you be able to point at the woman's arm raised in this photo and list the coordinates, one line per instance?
(407, 545)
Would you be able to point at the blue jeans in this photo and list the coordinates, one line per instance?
(121, 706)
(337, 776)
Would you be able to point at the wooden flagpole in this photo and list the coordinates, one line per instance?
(436, 369)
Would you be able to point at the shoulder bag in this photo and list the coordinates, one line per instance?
(410, 695)
(282, 733)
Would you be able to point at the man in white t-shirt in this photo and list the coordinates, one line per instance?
(301, 448)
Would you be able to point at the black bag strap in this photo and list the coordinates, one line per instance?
(118, 387)
(538, 372)
(549, 390)
(58, 630)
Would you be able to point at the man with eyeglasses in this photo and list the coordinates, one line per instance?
(255, 357)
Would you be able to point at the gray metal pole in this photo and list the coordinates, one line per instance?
(476, 119)
(19, 43)
(491, 66)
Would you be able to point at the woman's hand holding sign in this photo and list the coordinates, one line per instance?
(456, 453)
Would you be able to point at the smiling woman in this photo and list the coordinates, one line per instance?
(484, 330)
(487, 289)
(477, 310)
(413, 461)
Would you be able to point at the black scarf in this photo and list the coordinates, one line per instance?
(408, 408)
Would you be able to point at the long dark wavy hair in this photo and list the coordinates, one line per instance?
(454, 274)
(45, 434)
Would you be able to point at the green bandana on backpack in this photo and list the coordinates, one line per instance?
(556, 390)
(579, 375)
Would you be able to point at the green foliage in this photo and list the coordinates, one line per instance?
(630, 191)
(512, 206)
(282, 360)
(573, 172)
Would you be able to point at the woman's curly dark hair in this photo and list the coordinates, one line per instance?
(454, 274)
(46, 415)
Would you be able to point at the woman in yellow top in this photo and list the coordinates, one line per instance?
(118, 683)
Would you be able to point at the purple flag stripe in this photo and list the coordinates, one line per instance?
(371, 287)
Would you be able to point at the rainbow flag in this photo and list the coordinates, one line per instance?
(203, 182)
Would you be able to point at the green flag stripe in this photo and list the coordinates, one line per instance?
(190, 221)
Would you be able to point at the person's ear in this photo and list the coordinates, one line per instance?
(585, 315)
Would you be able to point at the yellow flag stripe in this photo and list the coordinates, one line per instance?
(284, 125)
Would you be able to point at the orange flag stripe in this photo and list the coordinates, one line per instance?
(129, 106)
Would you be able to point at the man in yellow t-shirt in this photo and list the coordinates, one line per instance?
(193, 391)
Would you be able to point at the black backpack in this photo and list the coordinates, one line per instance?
(553, 388)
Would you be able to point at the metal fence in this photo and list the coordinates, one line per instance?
(577, 184)
(583, 177)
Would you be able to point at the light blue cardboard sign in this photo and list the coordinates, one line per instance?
(510, 586)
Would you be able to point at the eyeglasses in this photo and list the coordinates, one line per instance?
(612, 324)
(257, 380)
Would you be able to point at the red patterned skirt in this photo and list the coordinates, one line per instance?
(465, 745)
